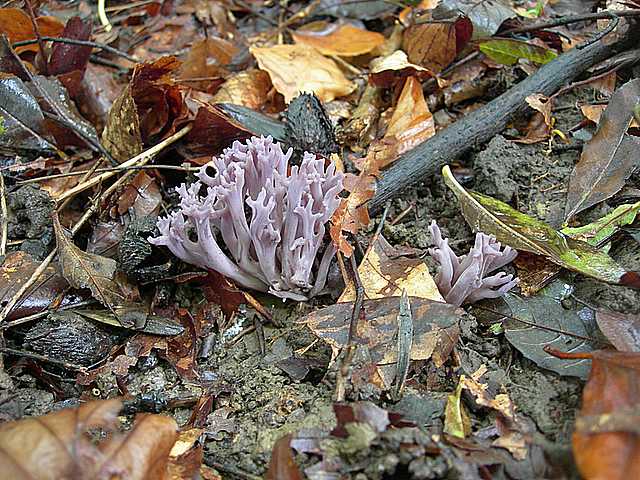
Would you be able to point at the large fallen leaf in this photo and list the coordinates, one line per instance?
(508, 52)
(296, 69)
(432, 45)
(121, 135)
(344, 40)
(435, 331)
(522, 232)
(386, 272)
(606, 439)
(410, 125)
(486, 15)
(57, 446)
(609, 157)
(542, 321)
(621, 329)
(23, 120)
(88, 270)
(206, 61)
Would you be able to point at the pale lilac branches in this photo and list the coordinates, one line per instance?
(271, 219)
(463, 279)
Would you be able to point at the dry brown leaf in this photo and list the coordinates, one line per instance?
(432, 45)
(385, 71)
(411, 124)
(541, 103)
(121, 135)
(435, 332)
(206, 60)
(594, 112)
(622, 329)
(249, 88)
(295, 69)
(352, 214)
(343, 40)
(141, 197)
(56, 446)
(385, 272)
(17, 26)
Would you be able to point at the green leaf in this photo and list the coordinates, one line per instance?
(508, 52)
(523, 232)
(601, 230)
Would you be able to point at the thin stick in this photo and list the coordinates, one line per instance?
(573, 19)
(102, 15)
(140, 159)
(143, 157)
(109, 169)
(84, 43)
(36, 30)
(4, 217)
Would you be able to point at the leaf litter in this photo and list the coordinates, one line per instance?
(234, 383)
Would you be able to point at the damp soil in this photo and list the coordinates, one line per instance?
(261, 397)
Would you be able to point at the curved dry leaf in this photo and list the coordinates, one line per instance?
(56, 445)
(609, 157)
(432, 45)
(343, 40)
(296, 69)
(385, 71)
(522, 232)
(121, 135)
(411, 124)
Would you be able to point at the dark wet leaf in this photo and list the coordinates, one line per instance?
(522, 232)
(213, 130)
(16, 269)
(542, 321)
(254, 122)
(154, 325)
(121, 135)
(508, 52)
(485, 15)
(435, 330)
(621, 329)
(609, 157)
(23, 120)
(66, 57)
(282, 465)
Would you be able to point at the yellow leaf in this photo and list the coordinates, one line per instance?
(299, 68)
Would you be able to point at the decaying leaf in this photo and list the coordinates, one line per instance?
(522, 232)
(282, 465)
(598, 232)
(594, 113)
(352, 214)
(121, 135)
(435, 331)
(606, 440)
(249, 88)
(88, 270)
(432, 45)
(509, 52)
(284, 64)
(542, 321)
(621, 329)
(344, 40)
(609, 157)
(386, 272)
(57, 445)
(410, 125)
(456, 419)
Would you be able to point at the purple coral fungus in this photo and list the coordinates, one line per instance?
(462, 279)
(270, 218)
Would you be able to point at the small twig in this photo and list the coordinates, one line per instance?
(615, 20)
(102, 15)
(140, 159)
(4, 217)
(84, 43)
(573, 19)
(109, 169)
(44, 313)
(42, 358)
(36, 30)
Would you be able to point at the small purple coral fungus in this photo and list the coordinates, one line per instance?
(462, 279)
(271, 219)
